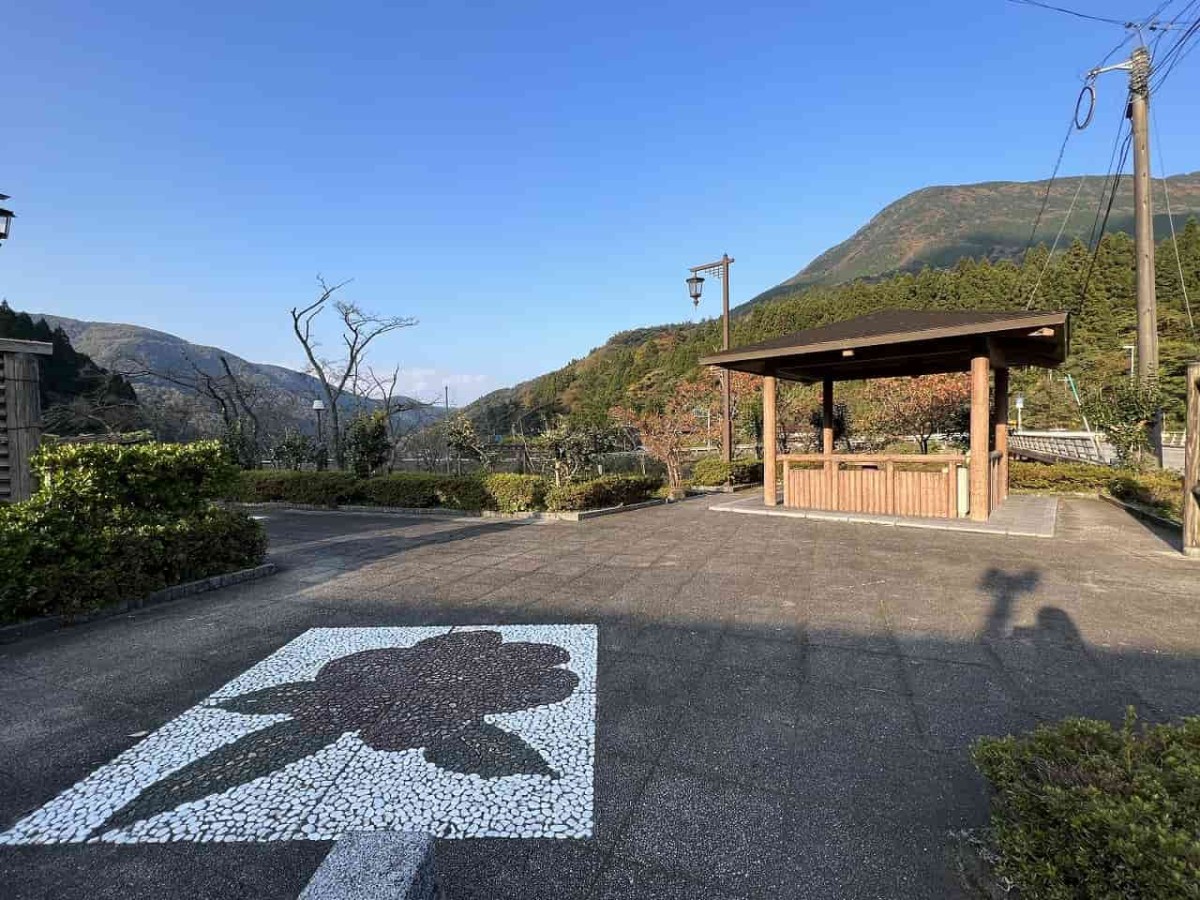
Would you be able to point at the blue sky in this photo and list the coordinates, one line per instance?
(524, 178)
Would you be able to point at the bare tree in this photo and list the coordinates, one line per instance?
(359, 329)
(237, 401)
(382, 389)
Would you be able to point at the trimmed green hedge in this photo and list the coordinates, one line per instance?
(422, 490)
(110, 523)
(1085, 810)
(601, 493)
(517, 493)
(1159, 490)
(712, 470)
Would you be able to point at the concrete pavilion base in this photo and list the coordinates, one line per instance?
(1023, 515)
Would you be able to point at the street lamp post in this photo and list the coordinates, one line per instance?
(6, 217)
(695, 283)
(318, 406)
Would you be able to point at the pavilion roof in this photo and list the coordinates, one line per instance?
(897, 342)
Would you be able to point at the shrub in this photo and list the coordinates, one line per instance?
(113, 522)
(516, 493)
(465, 492)
(416, 490)
(1159, 490)
(159, 478)
(52, 563)
(282, 486)
(1085, 810)
(712, 470)
(600, 493)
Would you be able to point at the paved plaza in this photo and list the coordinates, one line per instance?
(667, 703)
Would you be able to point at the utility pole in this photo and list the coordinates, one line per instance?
(1138, 112)
(1147, 317)
(447, 436)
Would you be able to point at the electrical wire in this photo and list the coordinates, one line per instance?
(1171, 219)
(1087, 281)
(1057, 238)
(1069, 12)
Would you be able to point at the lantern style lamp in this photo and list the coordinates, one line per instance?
(695, 285)
(6, 217)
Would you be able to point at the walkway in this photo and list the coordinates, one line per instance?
(781, 708)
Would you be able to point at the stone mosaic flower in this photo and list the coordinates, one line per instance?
(432, 696)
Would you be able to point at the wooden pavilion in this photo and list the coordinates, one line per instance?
(889, 344)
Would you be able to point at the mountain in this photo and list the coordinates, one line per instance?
(285, 395)
(937, 226)
(938, 248)
(78, 395)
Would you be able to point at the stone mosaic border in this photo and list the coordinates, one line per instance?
(325, 768)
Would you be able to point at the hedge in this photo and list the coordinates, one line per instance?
(1159, 490)
(517, 493)
(712, 470)
(505, 492)
(603, 492)
(1081, 809)
(111, 523)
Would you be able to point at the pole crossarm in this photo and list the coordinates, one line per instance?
(716, 269)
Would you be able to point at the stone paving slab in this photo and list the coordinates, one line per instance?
(784, 708)
(1021, 515)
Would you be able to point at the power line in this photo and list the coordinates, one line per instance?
(1069, 12)
(1187, 305)
(1057, 238)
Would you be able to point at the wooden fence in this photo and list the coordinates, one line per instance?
(894, 485)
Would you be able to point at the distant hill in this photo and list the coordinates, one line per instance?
(937, 226)
(938, 248)
(77, 395)
(124, 348)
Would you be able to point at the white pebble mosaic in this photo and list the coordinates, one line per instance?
(336, 782)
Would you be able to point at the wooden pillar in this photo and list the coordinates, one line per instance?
(830, 474)
(1000, 429)
(769, 437)
(1191, 465)
(827, 417)
(23, 415)
(980, 369)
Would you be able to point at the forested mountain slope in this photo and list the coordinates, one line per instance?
(643, 366)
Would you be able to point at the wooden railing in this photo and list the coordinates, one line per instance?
(892, 484)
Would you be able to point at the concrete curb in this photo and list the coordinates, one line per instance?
(32, 627)
(438, 512)
(377, 865)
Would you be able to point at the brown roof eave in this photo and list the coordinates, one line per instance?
(1017, 323)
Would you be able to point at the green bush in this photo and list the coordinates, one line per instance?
(516, 493)
(1083, 478)
(414, 490)
(112, 523)
(712, 470)
(466, 492)
(600, 493)
(51, 565)
(1085, 810)
(1159, 490)
(161, 478)
(309, 488)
